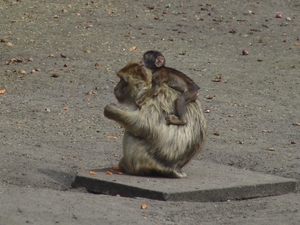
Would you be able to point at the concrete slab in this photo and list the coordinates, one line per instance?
(206, 181)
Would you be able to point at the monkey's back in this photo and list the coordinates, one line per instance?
(175, 78)
(166, 146)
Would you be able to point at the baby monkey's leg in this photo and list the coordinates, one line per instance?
(180, 105)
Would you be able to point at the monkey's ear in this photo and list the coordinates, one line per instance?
(160, 61)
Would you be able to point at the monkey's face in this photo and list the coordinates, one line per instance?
(148, 61)
(133, 79)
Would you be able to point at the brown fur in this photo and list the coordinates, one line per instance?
(175, 79)
(150, 145)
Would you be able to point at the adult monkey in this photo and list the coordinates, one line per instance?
(150, 145)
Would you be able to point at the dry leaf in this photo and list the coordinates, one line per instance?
(112, 137)
(210, 96)
(270, 149)
(92, 173)
(133, 48)
(66, 108)
(120, 173)
(296, 124)
(143, 206)
(2, 91)
(117, 168)
(109, 172)
(216, 133)
(266, 131)
(297, 44)
(217, 79)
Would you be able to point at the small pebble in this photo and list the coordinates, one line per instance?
(245, 52)
(278, 15)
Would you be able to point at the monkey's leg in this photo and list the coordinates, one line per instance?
(181, 112)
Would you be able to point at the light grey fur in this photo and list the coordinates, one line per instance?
(150, 145)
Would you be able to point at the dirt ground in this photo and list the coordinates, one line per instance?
(58, 62)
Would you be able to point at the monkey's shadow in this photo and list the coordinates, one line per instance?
(63, 178)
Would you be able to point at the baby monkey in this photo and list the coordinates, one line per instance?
(155, 61)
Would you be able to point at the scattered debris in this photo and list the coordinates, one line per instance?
(210, 96)
(217, 79)
(92, 173)
(144, 206)
(245, 52)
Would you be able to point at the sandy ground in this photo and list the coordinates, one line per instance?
(58, 63)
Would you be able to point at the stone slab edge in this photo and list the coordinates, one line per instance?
(210, 195)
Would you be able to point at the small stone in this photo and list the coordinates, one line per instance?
(278, 15)
(245, 52)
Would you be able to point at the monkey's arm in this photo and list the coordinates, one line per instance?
(153, 91)
(128, 120)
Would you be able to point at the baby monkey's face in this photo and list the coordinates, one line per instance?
(153, 60)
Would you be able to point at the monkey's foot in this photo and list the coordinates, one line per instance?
(172, 119)
(140, 102)
(179, 174)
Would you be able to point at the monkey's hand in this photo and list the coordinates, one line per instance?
(174, 120)
(128, 120)
(141, 101)
(148, 95)
(124, 118)
(110, 111)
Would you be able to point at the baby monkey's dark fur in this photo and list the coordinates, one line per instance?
(155, 61)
